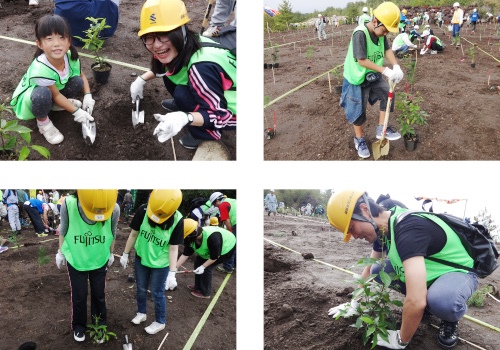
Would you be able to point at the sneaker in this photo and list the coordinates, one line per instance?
(361, 147)
(154, 327)
(170, 105)
(79, 336)
(42, 234)
(198, 294)
(57, 108)
(189, 142)
(448, 334)
(191, 287)
(3, 249)
(139, 318)
(52, 135)
(34, 3)
(212, 32)
(434, 52)
(222, 269)
(390, 133)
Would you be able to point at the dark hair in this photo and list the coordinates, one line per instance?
(185, 51)
(375, 209)
(53, 24)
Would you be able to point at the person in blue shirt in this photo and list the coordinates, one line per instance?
(473, 19)
(34, 208)
(76, 12)
(414, 34)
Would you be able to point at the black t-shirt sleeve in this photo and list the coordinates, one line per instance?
(359, 45)
(417, 236)
(188, 250)
(136, 222)
(177, 236)
(214, 243)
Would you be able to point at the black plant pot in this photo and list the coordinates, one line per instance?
(101, 72)
(473, 65)
(276, 65)
(411, 142)
(338, 89)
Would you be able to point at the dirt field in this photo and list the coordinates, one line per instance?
(116, 138)
(311, 125)
(35, 302)
(311, 288)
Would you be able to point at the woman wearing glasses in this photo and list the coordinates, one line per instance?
(198, 73)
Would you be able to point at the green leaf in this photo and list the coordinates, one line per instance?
(42, 150)
(397, 302)
(386, 279)
(26, 137)
(2, 123)
(25, 152)
(366, 319)
(11, 142)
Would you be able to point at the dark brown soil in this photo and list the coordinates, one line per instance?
(312, 126)
(116, 137)
(299, 292)
(35, 302)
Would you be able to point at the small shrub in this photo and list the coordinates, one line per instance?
(43, 259)
(98, 332)
(477, 298)
(410, 113)
(93, 40)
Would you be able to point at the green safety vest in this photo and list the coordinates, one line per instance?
(228, 241)
(232, 212)
(353, 71)
(398, 41)
(453, 251)
(437, 40)
(86, 246)
(21, 99)
(152, 243)
(224, 58)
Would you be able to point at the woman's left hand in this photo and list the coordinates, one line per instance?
(111, 259)
(199, 270)
(170, 124)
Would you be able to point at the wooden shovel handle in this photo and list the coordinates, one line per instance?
(390, 96)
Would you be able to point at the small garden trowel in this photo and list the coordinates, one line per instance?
(127, 345)
(137, 112)
(89, 130)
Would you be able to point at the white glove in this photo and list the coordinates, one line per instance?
(82, 116)
(398, 73)
(350, 308)
(75, 102)
(170, 124)
(88, 103)
(137, 88)
(389, 73)
(124, 260)
(422, 52)
(60, 259)
(111, 259)
(199, 270)
(171, 282)
(393, 341)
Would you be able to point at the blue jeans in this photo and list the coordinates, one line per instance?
(456, 30)
(156, 277)
(446, 296)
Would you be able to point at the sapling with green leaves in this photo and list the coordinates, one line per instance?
(43, 259)
(93, 40)
(99, 333)
(309, 55)
(275, 53)
(371, 303)
(410, 114)
(472, 54)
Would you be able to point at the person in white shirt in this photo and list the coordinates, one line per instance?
(320, 27)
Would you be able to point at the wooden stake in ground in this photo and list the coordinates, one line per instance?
(329, 83)
(274, 80)
(173, 148)
(166, 335)
(462, 47)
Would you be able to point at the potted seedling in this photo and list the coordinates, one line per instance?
(10, 131)
(410, 114)
(276, 64)
(93, 41)
(472, 56)
(309, 55)
(338, 75)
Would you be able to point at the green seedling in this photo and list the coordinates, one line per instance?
(14, 239)
(99, 333)
(410, 113)
(93, 40)
(43, 259)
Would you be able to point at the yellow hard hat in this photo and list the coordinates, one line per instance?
(340, 208)
(214, 221)
(162, 16)
(162, 204)
(189, 226)
(404, 11)
(388, 14)
(98, 205)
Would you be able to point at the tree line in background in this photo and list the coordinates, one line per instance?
(287, 16)
(299, 198)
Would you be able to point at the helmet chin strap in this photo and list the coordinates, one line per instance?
(184, 34)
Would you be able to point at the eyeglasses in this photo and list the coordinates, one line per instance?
(149, 39)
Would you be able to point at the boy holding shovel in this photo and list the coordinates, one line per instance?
(363, 70)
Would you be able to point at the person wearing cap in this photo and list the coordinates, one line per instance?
(198, 73)
(401, 44)
(365, 17)
(39, 196)
(432, 43)
(320, 27)
(37, 209)
(456, 21)
(409, 238)
(414, 34)
(212, 245)
(9, 197)
(271, 203)
(157, 231)
(428, 27)
(227, 214)
(87, 235)
(402, 20)
(473, 19)
(363, 70)
(440, 19)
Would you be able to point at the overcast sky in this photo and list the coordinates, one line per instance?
(308, 6)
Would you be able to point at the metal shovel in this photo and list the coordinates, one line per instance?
(137, 112)
(381, 147)
(89, 130)
(127, 345)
